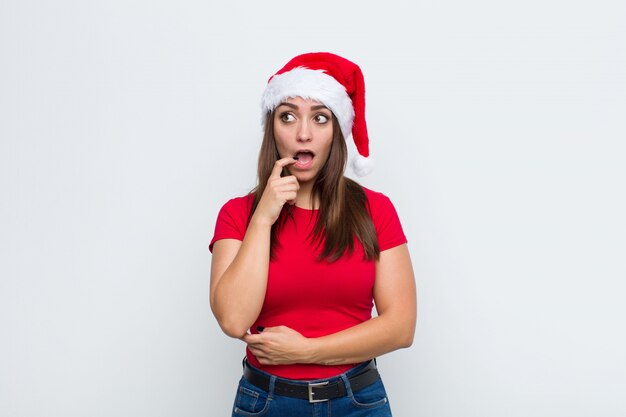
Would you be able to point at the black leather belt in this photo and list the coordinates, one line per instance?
(314, 391)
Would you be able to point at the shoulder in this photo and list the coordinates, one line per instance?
(239, 204)
(385, 218)
(232, 219)
(376, 200)
(241, 200)
(236, 210)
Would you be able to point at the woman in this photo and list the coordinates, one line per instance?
(299, 263)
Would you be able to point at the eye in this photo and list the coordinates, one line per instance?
(321, 118)
(286, 117)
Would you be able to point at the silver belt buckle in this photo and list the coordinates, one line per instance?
(311, 393)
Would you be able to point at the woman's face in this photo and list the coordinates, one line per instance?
(303, 128)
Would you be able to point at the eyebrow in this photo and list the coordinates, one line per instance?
(293, 106)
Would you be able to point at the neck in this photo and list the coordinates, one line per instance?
(303, 199)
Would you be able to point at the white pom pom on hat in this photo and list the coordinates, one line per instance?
(333, 81)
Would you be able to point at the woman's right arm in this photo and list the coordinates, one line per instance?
(239, 268)
(239, 279)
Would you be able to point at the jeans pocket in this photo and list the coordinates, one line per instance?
(250, 400)
(371, 396)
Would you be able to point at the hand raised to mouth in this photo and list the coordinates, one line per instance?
(278, 191)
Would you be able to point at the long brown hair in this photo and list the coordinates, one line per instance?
(343, 210)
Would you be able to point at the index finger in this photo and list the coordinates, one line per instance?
(280, 164)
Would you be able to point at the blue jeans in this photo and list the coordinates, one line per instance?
(370, 401)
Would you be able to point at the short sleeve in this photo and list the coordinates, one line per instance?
(232, 220)
(386, 221)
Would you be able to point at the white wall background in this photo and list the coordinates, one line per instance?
(498, 129)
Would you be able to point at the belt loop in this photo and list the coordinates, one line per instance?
(270, 390)
(346, 383)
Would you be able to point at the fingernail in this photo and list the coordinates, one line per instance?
(296, 157)
(260, 328)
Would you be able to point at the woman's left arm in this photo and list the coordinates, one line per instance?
(393, 328)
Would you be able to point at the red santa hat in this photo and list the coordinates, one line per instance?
(333, 81)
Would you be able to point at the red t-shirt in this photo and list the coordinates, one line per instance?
(315, 298)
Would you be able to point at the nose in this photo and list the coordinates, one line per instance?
(304, 132)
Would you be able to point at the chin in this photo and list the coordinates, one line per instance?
(305, 176)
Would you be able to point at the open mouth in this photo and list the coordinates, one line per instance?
(304, 157)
